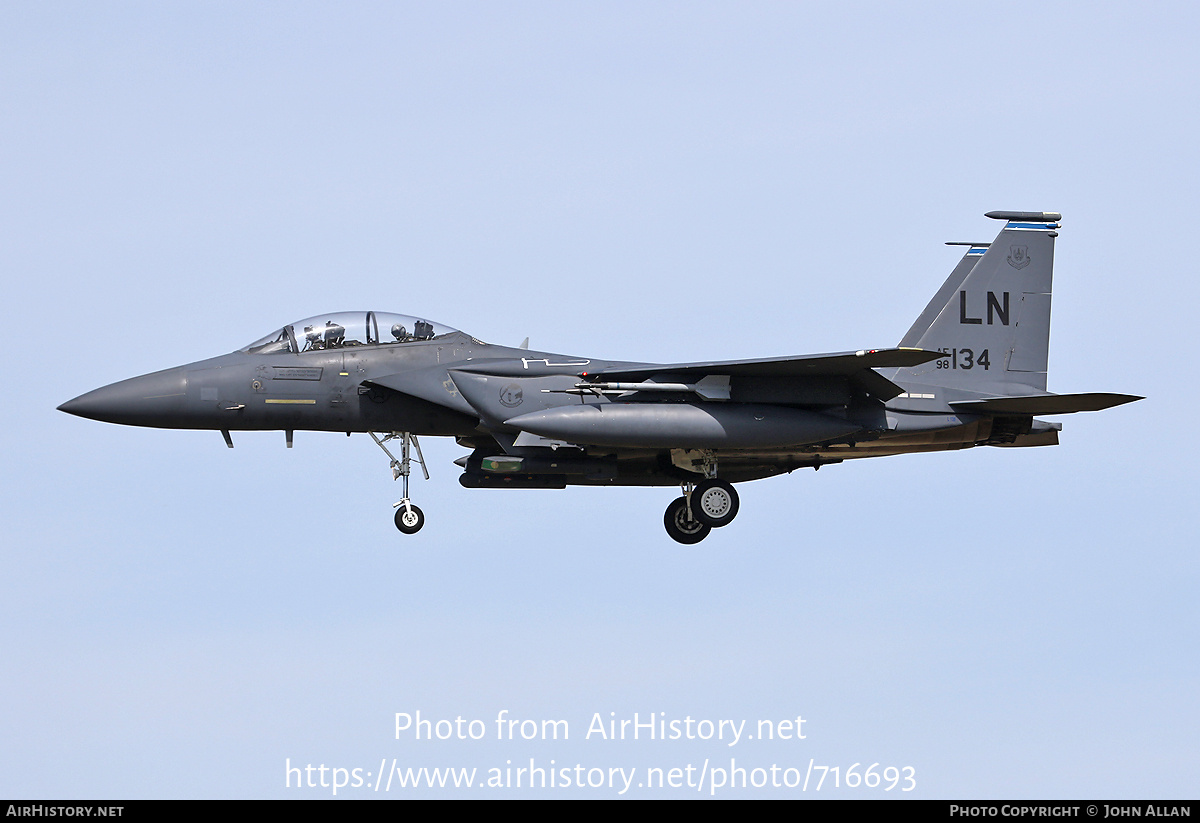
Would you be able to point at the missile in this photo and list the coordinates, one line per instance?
(712, 387)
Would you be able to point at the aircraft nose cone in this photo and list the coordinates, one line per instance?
(150, 400)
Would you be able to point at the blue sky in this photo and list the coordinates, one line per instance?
(651, 182)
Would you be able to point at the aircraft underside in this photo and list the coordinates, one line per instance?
(706, 476)
(600, 467)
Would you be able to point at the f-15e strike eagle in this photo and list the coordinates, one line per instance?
(970, 372)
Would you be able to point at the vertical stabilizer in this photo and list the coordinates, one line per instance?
(992, 315)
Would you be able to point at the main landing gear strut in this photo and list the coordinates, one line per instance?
(409, 519)
(705, 506)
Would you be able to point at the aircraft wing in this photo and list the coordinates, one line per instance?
(1046, 403)
(857, 367)
(842, 364)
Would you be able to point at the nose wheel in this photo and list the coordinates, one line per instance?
(409, 519)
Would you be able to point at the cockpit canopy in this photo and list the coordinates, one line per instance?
(345, 330)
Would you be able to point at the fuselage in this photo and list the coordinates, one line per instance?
(452, 384)
(316, 390)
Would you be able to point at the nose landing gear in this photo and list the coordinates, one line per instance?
(409, 519)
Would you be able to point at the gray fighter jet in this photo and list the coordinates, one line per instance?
(970, 372)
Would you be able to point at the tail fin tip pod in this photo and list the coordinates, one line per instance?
(992, 315)
(1034, 216)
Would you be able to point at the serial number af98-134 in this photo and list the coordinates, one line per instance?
(964, 359)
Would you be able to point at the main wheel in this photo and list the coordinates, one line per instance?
(715, 503)
(682, 529)
(409, 519)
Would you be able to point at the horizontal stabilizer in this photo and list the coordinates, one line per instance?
(1046, 403)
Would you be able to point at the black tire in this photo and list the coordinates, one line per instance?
(680, 528)
(715, 503)
(409, 524)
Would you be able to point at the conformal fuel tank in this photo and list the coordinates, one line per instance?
(684, 425)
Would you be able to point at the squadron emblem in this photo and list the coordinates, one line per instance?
(511, 395)
(1018, 256)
